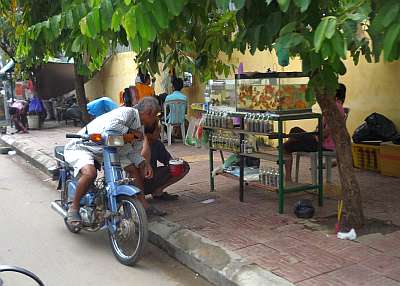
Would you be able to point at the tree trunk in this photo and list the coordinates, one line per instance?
(81, 95)
(354, 216)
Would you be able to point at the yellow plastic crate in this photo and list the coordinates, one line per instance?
(366, 157)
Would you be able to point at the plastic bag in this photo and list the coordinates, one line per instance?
(376, 127)
(362, 133)
(36, 105)
(381, 127)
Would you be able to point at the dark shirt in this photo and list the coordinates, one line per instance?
(159, 153)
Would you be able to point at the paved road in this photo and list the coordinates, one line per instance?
(34, 236)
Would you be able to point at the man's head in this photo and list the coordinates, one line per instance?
(341, 93)
(177, 83)
(148, 109)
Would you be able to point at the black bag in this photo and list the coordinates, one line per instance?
(396, 139)
(375, 128)
(381, 126)
(362, 133)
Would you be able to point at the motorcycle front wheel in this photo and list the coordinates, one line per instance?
(130, 238)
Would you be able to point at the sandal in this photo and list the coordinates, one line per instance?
(166, 197)
(73, 217)
(154, 211)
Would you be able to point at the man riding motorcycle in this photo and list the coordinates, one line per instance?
(82, 157)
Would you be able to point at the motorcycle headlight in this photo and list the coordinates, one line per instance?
(115, 140)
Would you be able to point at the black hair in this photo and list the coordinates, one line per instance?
(177, 83)
(341, 92)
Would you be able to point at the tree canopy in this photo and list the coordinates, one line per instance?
(195, 33)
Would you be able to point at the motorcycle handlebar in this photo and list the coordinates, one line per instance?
(73, 136)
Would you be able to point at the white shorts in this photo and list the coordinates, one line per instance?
(80, 158)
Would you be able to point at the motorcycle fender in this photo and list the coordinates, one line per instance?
(127, 190)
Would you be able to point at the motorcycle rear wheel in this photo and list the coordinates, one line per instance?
(130, 239)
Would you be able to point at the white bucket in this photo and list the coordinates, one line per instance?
(33, 121)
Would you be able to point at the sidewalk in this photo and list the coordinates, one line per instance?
(249, 243)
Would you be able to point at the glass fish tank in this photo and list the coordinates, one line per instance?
(280, 92)
(222, 95)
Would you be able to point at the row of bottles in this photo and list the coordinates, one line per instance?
(258, 122)
(218, 119)
(225, 143)
(269, 176)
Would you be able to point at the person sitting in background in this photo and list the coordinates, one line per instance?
(303, 142)
(18, 116)
(144, 88)
(161, 174)
(177, 84)
(100, 106)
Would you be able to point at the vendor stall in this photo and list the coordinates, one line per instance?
(251, 126)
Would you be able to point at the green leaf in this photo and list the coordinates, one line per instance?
(55, 25)
(326, 50)
(331, 28)
(93, 22)
(129, 22)
(289, 41)
(274, 21)
(378, 22)
(174, 6)
(339, 67)
(127, 2)
(302, 4)
(84, 27)
(160, 14)
(284, 5)
(391, 15)
(144, 26)
(319, 34)
(76, 44)
(69, 20)
(288, 28)
(339, 45)
(135, 43)
(283, 57)
(391, 37)
(106, 13)
(356, 57)
(116, 20)
(222, 4)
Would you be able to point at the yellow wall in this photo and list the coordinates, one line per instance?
(370, 87)
(118, 73)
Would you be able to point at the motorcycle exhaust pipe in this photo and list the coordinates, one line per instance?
(58, 209)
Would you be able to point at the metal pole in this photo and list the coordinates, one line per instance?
(211, 163)
(281, 162)
(320, 174)
(241, 177)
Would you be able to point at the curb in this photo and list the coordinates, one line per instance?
(41, 161)
(215, 263)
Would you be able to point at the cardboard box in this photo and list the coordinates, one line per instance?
(390, 159)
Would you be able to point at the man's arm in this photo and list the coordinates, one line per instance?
(146, 151)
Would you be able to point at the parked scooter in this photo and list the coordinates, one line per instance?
(110, 202)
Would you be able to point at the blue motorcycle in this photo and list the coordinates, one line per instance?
(110, 203)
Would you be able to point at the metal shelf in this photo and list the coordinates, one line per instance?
(263, 156)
